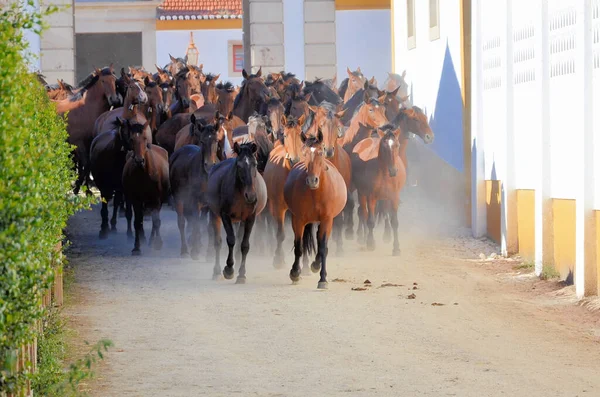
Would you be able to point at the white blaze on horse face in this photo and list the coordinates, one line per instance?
(390, 142)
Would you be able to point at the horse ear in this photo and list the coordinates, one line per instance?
(216, 78)
(244, 73)
(217, 115)
(236, 148)
(301, 120)
(172, 59)
(97, 71)
(131, 70)
(348, 71)
(123, 74)
(201, 66)
(158, 68)
(366, 97)
(358, 70)
(372, 80)
(395, 92)
(60, 84)
(341, 113)
(404, 73)
(334, 80)
(381, 99)
(313, 109)
(380, 133)
(147, 80)
(283, 119)
(253, 147)
(230, 116)
(307, 96)
(259, 73)
(320, 135)
(303, 137)
(111, 68)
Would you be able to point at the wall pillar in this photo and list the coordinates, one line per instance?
(544, 230)
(478, 191)
(319, 37)
(585, 223)
(263, 35)
(57, 46)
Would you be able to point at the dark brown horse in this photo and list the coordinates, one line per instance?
(156, 109)
(99, 97)
(320, 92)
(145, 184)
(209, 89)
(281, 160)
(189, 168)
(253, 94)
(295, 101)
(192, 133)
(184, 89)
(226, 94)
(273, 110)
(236, 192)
(107, 160)
(315, 192)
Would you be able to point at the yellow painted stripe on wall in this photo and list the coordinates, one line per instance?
(199, 24)
(597, 212)
(493, 197)
(563, 211)
(526, 222)
(343, 5)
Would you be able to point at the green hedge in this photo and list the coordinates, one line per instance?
(36, 173)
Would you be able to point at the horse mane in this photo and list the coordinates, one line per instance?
(182, 74)
(343, 87)
(152, 84)
(265, 146)
(240, 95)
(227, 86)
(83, 90)
(287, 76)
(311, 140)
(291, 121)
(210, 77)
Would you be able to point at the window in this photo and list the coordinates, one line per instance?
(434, 19)
(236, 58)
(410, 24)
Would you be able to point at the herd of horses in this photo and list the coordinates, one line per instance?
(222, 155)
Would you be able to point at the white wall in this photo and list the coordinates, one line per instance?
(363, 38)
(425, 66)
(293, 30)
(212, 45)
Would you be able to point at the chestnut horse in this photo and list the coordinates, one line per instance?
(314, 191)
(209, 89)
(236, 192)
(281, 161)
(225, 97)
(358, 99)
(251, 97)
(184, 89)
(145, 183)
(192, 133)
(189, 168)
(350, 85)
(99, 97)
(379, 174)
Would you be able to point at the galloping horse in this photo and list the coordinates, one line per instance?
(192, 133)
(281, 161)
(236, 192)
(253, 94)
(314, 191)
(145, 183)
(189, 168)
(99, 97)
(379, 174)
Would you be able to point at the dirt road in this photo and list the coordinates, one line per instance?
(473, 328)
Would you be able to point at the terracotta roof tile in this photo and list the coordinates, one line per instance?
(199, 9)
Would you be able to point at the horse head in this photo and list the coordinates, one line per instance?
(246, 169)
(314, 158)
(389, 148)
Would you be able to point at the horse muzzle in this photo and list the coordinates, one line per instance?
(185, 102)
(250, 197)
(139, 160)
(312, 182)
(329, 152)
(428, 138)
(393, 172)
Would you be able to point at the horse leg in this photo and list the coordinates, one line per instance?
(80, 171)
(122, 209)
(195, 243)
(248, 224)
(338, 224)
(181, 226)
(349, 216)
(157, 242)
(238, 242)
(204, 221)
(139, 227)
(227, 224)
(104, 214)
(322, 250)
(278, 260)
(298, 231)
(216, 223)
(371, 224)
(128, 215)
(117, 199)
(362, 216)
(387, 229)
(394, 221)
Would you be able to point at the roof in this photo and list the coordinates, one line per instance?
(199, 9)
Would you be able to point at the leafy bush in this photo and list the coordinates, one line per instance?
(36, 173)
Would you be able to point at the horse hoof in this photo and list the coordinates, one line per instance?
(323, 285)
(228, 272)
(241, 280)
(349, 234)
(216, 277)
(136, 252)
(294, 276)
(315, 267)
(195, 254)
(396, 252)
(158, 244)
(113, 229)
(103, 235)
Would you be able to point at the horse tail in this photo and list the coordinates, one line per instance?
(308, 240)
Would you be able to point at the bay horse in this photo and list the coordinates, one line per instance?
(252, 95)
(236, 192)
(273, 110)
(184, 89)
(189, 169)
(209, 89)
(326, 118)
(162, 75)
(135, 98)
(358, 99)
(281, 160)
(225, 97)
(100, 96)
(156, 109)
(351, 84)
(192, 133)
(145, 183)
(59, 91)
(295, 101)
(379, 174)
(107, 160)
(315, 192)
(398, 81)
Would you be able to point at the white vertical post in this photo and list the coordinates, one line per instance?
(584, 157)
(34, 40)
(541, 154)
(478, 204)
(508, 213)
